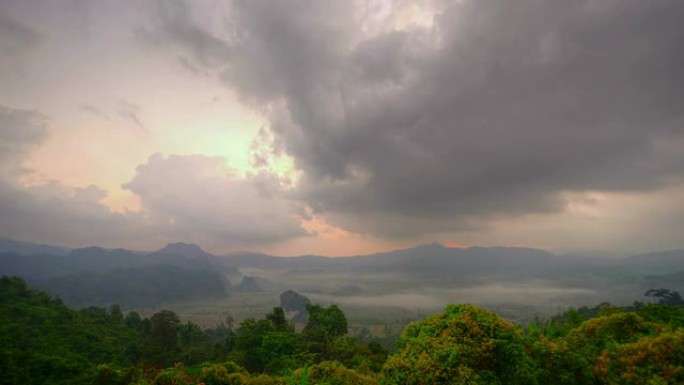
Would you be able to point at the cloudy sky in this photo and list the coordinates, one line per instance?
(343, 127)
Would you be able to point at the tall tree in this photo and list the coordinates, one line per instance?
(164, 330)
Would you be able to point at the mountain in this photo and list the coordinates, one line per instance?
(428, 268)
(97, 260)
(661, 262)
(258, 260)
(524, 275)
(33, 266)
(249, 284)
(430, 262)
(427, 261)
(435, 260)
(294, 306)
(137, 287)
(184, 249)
(30, 248)
(98, 276)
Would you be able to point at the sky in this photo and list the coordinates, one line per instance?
(343, 127)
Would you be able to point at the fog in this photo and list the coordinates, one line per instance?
(537, 294)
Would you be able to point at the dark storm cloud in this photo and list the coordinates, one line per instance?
(495, 110)
(173, 24)
(304, 40)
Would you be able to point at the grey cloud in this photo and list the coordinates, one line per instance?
(90, 109)
(305, 40)
(261, 41)
(20, 131)
(494, 111)
(130, 112)
(18, 42)
(193, 198)
(50, 211)
(173, 25)
(15, 35)
(68, 216)
(200, 198)
(189, 198)
(188, 66)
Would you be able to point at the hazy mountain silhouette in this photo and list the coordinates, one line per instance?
(184, 249)
(30, 248)
(424, 265)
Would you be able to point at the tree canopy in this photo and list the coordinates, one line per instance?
(44, 342)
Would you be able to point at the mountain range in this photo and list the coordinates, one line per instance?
(136, 279)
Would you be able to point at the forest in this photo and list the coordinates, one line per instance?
(44, 342)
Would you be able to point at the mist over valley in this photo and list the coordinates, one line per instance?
(519, 283)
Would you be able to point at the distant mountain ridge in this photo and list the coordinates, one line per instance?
(658, 262)
(29, 248)
(429, 265)
(98, 276)
(255, 258)
(184, 249)
(431, 259)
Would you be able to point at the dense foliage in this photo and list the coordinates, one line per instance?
(463, 345)
(44, 342)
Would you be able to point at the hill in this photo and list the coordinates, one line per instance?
(30, 248)
(427, 276)
(137, 287)
(98, 276)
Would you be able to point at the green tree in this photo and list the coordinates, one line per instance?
(133, 320)
(44, 342)
(666, 297)
(463, 345)
(277, 318)
(324, 334)
(329, 321)
(115, 313)
(268, 345)
(594, 335)
(164, 331)
(650, 360)
(163, 339)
